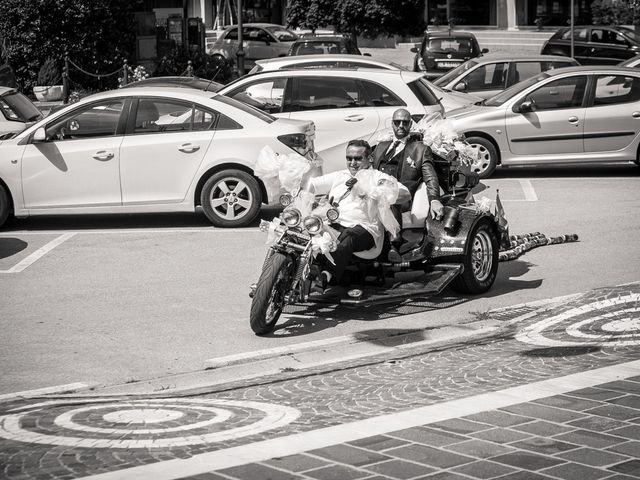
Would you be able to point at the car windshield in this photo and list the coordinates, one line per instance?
(282, 34)
(264, 116)
(449, 45)
(451, 74)
(18, 108)
(510, 92)
(632, 34)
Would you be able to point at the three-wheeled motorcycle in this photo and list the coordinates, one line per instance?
(460, 250)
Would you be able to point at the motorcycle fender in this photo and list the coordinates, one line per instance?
(453, 242)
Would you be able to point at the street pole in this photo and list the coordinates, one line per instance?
(240, 53)
(571, 24)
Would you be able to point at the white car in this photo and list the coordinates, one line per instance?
(17, 112)
(147, 149)
(450, 99)
(344, 104)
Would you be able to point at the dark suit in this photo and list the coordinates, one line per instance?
(415, 164)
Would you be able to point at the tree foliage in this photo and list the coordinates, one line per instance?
(615, 12)
(98, 34)
(368, 18)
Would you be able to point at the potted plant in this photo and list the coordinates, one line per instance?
(49, 88)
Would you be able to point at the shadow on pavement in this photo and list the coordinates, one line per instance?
(561, 351)
(505, 281)
(11, 246)
(566, 171)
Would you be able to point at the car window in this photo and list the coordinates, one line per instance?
(18, 108)
(95, 120)
(487, 77)
(232, 34)
(282, 34)
(450, 45)
(555, 64)
(614, 89)
(321, 93)
(513, 90)
(560, 93)
(265, 94)
(423, 92)
(241, 105)
(524, 70)
(580, 34)
(454, 73)
(356, 64)
(379, 96)
(155, 115)
(256, 34)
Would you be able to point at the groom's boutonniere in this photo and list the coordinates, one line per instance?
(411, 162)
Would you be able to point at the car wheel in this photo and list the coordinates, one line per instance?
(5, 205)
(231, 198)
(487, 158)
(480, 262)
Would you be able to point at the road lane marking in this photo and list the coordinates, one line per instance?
(41, 252)
(380, 425)
(129, 230)
(529, 192)
(46, 390)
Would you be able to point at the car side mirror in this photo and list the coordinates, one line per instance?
(527, 106)
(485, 50)
(461, 86)
(40, 135)
(414, 50)
(366, 54)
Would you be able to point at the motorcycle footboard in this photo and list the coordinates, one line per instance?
(431, 283)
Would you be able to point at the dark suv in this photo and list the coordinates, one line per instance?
(439, 52)
(594, 44)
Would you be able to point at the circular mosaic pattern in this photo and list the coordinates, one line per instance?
(610, 322)
(158, 423)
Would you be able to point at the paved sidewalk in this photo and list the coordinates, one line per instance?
(554, 394)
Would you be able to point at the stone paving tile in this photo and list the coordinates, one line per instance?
(543, 412)
(483, 469)
(575, 471)
(428, 436)
(632, 432)
(588, 438)
(354, 456)
(632, 401)
(444, 476)
(547, 446)
(500, 435)
(527, 460)
(256, 471)
(479, 448)
(400, 469)
(460, 425)
(207, 476)
(624, 386)
(596, 393)
(525, 476)
(631, 467)
(498, 418)
(429, 456)
(593, 457)
(628, 448)
(568, 402)
(296, 463)
(599, 424)
(544, 428)
(378, 443)
(614, 411)
(337, 472)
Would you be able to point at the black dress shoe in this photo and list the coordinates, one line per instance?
(320, 284)
(394, 255)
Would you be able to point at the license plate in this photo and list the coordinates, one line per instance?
(448, 64)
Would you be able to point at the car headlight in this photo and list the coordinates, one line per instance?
(313, 224)
(291, 217)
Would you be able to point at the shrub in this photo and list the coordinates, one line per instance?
(176, 62)
(49, 73)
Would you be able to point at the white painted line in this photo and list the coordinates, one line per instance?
(130, 230)
(46, 390)
(41, 252)
(529, 192)
(349, 432)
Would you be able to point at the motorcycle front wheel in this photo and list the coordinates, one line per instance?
(269, 297)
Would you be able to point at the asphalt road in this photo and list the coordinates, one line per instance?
(122, 298)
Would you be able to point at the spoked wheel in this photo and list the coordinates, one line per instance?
(231, 198)
(269, 297)
(480, 261)
(487, 158)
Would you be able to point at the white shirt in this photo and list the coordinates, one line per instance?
(399, 147)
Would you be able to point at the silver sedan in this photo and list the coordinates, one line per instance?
(567, 115)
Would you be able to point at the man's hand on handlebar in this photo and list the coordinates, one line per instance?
(437, 210)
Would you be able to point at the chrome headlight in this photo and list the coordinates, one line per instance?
(313, 223)
(291, 217)
(286, 199)
(333, 214)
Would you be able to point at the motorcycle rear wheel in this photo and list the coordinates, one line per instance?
(480, 262)
(269, 296)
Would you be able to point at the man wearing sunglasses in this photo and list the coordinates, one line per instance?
(360, 227)
(410, 161)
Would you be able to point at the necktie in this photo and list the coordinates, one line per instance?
(391, 152)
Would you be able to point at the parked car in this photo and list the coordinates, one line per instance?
(325, 44)
(441, 51)
(567, 115)
(594, 44)
(260, 40)
(343, 103)
(490, 74)
(146, 150)
(633, 62)
(321, 61)
(18, 112)
(175, 81)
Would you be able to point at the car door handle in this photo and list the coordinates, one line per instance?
(635, 114)
(354, 118)
(575, 120)
(103, 155)
(189, 148)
